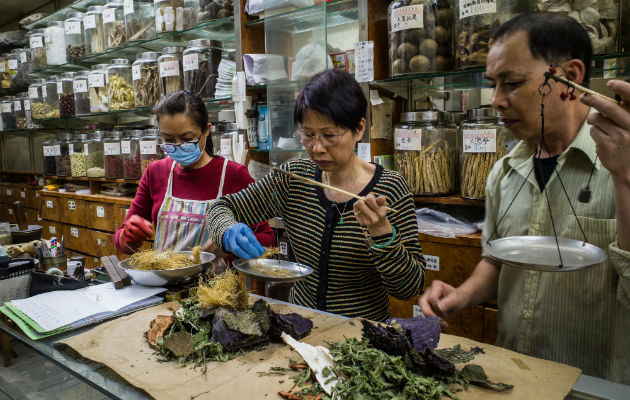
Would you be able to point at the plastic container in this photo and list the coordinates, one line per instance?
(17, 154)
(25, 67)
(475, 25)
(130, 149)
(171, 77)
(75, 40)
(94, 157)
(62, 155)
(20, 113)
(215, 9)
(482, 142)
(146, 80)
(37, 98)
(114, 24)
(55, 43)
(119, 86)
(38, 49)
(51, 149)
(93, 30)
(51, 98)
(149, 149)
(426, 153)
(175, 15)
(201, 67)
(13, 64)
(65, 89)
(5, 81)
(420, 36)
(113, 158)
(8, 117)
(26, 103)
(221, 134)
(139, 20)
(78, 150)
(81, 93)
(97, 88)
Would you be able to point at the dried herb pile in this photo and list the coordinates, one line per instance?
(201, 331)
(396, 361)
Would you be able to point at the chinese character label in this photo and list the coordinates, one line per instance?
(410, 17)
(408, 139)
(364, 61)
(470, 8)
(479, 140)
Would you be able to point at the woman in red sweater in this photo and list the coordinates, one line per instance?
(175, 193)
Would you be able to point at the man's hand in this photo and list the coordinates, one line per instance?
(443, 300)
(209, 247)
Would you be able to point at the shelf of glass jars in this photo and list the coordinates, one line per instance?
(603, 67)
(88, 179)
(221, 30)
(62, 13)
(337, 12)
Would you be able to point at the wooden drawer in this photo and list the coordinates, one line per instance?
(467, 323)
(12, 194)
(11, 215)
(50, 208)
(53, 228)
(92, 262)
(4, 212)
(72, 211)
(77, 238)
(120, 211)
(100, 216)
(31, 198)
(452, 264)
(490, 325)
(32, 217)
(101, 244)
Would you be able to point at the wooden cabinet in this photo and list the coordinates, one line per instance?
(490, 324)
(72, 211)
(101, 216)
(49, 208)
(32, 217)
(100, 243)
(53, 228)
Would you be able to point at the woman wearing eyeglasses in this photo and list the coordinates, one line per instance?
(361, 252)
(174, 193)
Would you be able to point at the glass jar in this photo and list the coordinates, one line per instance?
(26, 103)
(215, 9)
(50, 92)
(113, 157)
(475, 25)
(139, 20)
(81, 93)
(37, 98)
(114, 24)
(5, 83)
(425, 152)
(50, 149)
(55, 43)
(175, 15)
(38, 49)
(75, 40)
(95, 166)
(146, 81)
(482, 142)
(8, 118)
(93, 30)
(171, 78)
(20, 113)
(225, 144)
(65, 89)
(420, 36)
(97, 86)
(62, 155)
(119, 85)
(149, 149)
(13, 64)
(25, 67)
(78, 150)
(130, 149)
(201, 67)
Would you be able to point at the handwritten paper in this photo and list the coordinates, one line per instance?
(479, 140)
(470, 8)
(408, 139)
(364, 61)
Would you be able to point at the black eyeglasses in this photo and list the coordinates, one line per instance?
(188, 147)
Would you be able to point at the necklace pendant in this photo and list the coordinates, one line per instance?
(340, 220)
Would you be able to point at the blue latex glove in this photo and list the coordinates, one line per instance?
(240, 241)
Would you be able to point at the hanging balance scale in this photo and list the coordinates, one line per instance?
(549, 253)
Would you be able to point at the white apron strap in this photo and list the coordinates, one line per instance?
(220, 192)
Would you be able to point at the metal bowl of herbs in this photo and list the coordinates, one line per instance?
(168, 276)
(270, 270)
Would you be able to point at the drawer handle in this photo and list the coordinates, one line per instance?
(101, 242)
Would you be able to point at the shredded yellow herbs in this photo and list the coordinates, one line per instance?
(160, 260)
(225, 290)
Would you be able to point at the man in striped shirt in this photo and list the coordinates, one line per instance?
(580, 318)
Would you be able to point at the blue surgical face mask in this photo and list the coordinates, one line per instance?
(186, 158)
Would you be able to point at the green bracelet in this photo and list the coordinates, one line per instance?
(390, 241)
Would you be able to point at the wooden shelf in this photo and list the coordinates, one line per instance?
(454, 200)
(87, 179)
(20, 172)
(472, 240)
(89, 197)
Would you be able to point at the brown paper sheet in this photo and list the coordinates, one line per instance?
(121, 346)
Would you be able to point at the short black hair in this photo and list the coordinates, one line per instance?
(185, 102)
(553, 37)
(334, 94)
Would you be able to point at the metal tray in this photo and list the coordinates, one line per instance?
(294, 271)
(168, 276)
(540, 253)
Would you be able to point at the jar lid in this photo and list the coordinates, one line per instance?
(68, 75)
(95, 9)
(148, 55)
(38, 32)
(64, 136)
(151, 132)
(23, 95)
(96, 134)
(134, 133)
(113, 135)
(55, 23)
(457, 116)
(119, 61)
(51, 80)
(81, 74)
(16, 51)
(7, 98)
(75, 15)
(199, 42)
(80, 136)
(100, 67)
(483, 113)
(424, 115)
(40, 81)
(172, 49)
(114, 3)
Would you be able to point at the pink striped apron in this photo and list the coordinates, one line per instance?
(182, 223)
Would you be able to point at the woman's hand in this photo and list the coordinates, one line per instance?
(209, 247)
(372, 213)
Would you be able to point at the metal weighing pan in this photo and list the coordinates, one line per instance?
(168, 276)
(540, 253)
(286, 271)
